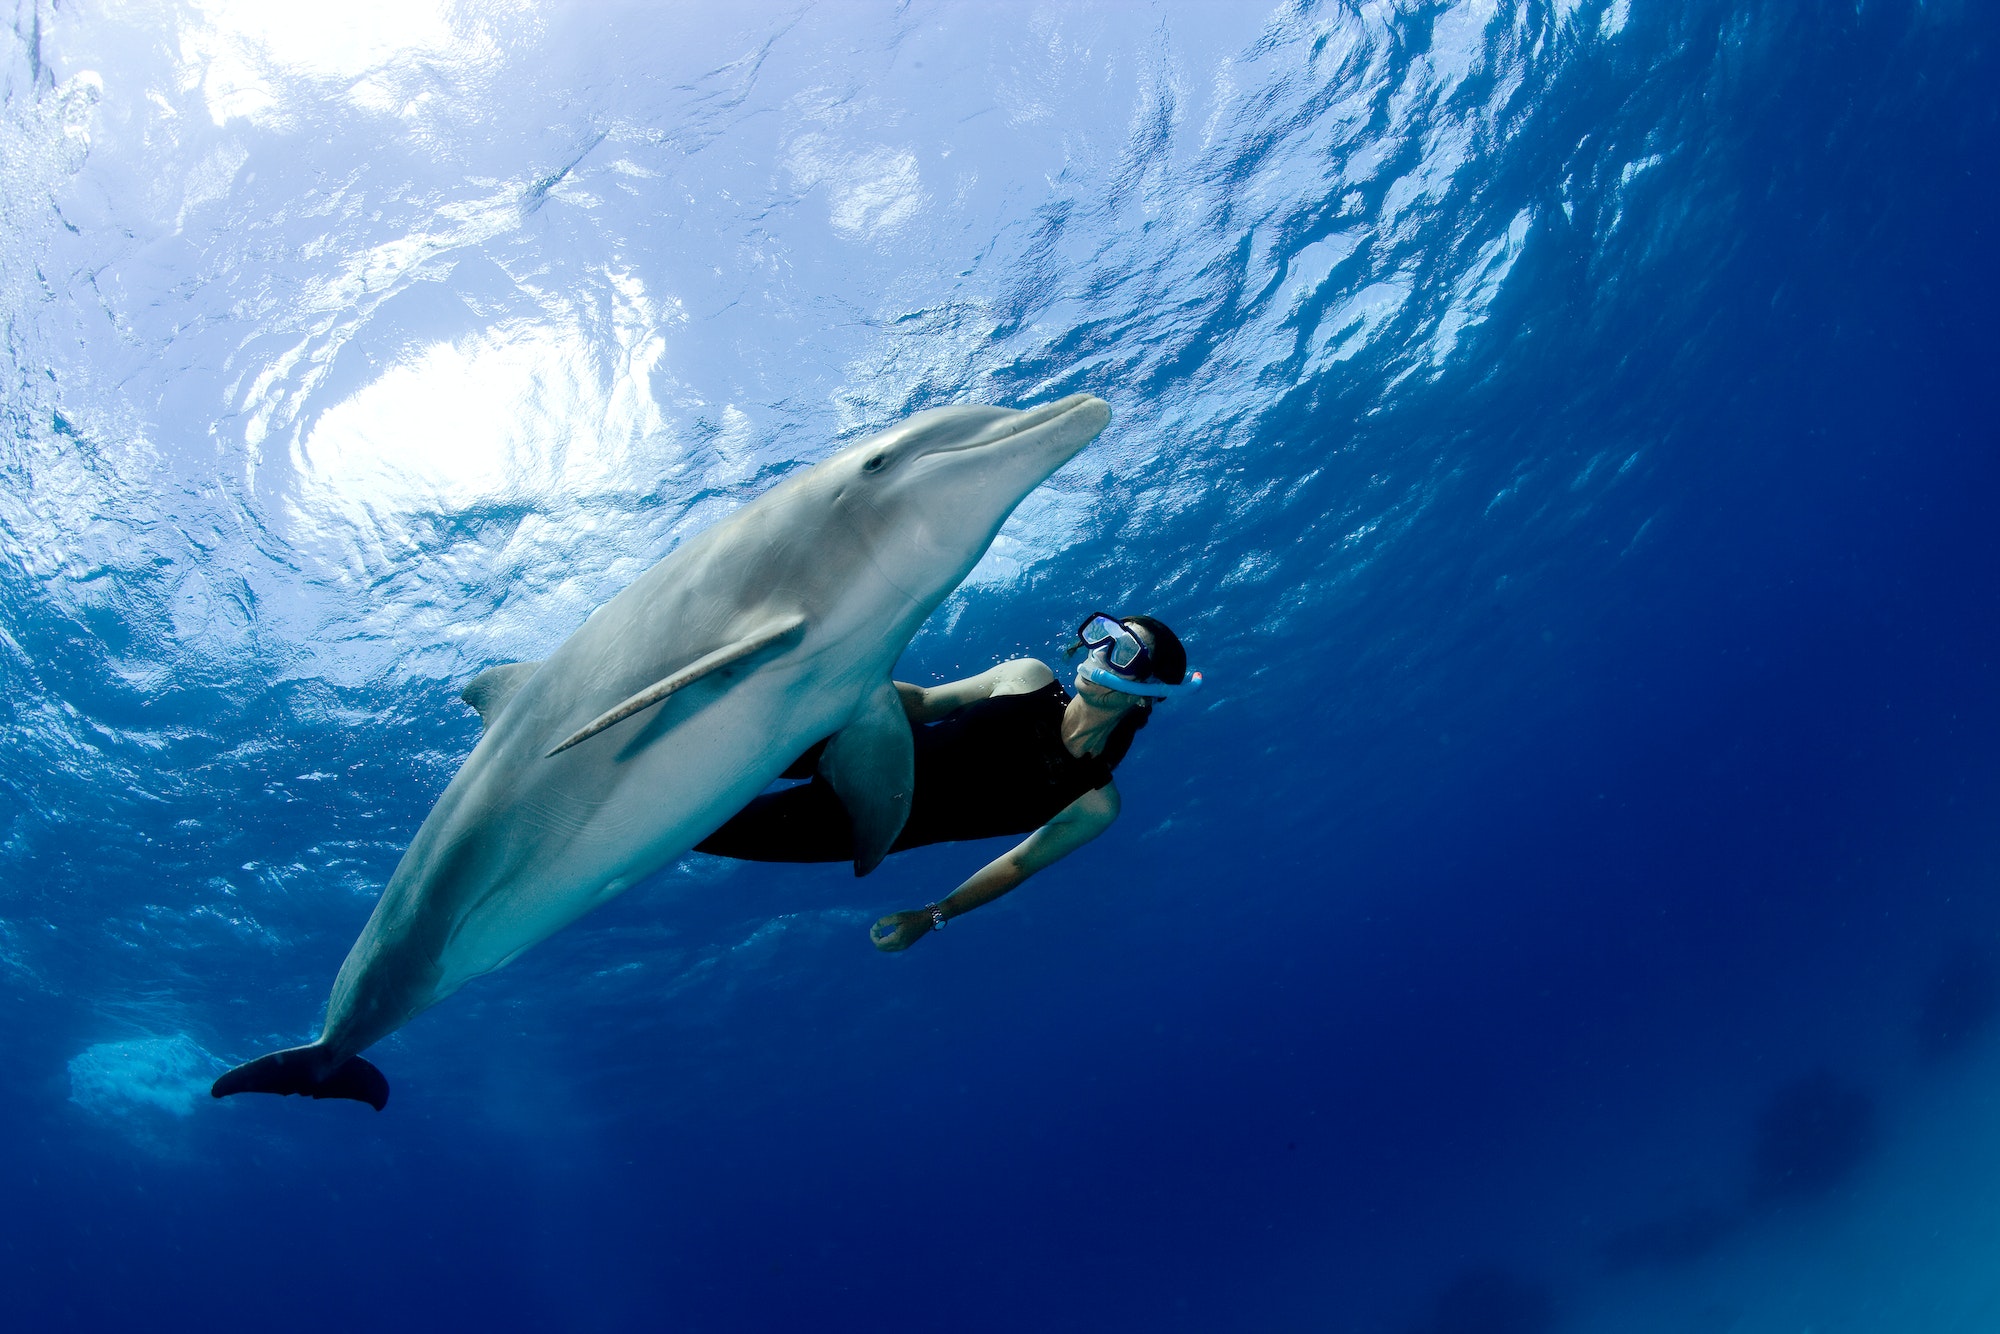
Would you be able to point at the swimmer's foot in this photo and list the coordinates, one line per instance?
(900, 930)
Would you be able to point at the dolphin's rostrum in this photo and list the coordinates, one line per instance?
(678, 701)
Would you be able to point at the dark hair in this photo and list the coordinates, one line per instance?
(1169, 658)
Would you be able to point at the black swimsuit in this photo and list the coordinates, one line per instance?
(996, 766)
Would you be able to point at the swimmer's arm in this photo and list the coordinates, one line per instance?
(1075, 825)
(927, 704)
(1079, 822)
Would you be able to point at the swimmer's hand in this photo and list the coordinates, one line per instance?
(900, 930)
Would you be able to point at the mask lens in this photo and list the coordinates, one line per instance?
(1122, 647)
(1097, 628)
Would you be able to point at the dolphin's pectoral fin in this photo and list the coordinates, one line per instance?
(872, 765)
(298, 1070)
(688, 675)
(489, 692)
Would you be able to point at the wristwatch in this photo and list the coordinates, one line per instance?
(937, 917)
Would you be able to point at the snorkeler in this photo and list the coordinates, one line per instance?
(1008, 751)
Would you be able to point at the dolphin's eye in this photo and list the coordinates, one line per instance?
(875, 464)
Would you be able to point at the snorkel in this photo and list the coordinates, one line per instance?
(1097, 670)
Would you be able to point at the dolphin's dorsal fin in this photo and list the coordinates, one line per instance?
(872, 764)
(489, 691)
(688, 675)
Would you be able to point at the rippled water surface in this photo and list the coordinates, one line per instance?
(1562, 430)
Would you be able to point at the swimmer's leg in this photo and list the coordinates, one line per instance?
(806, 823)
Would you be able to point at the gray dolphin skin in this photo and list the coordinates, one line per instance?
(677, 702)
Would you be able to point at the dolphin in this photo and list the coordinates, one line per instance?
(678, 701)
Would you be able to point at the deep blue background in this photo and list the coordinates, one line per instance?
(1637, 765)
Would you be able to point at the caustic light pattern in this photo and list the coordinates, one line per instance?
(1557, 427)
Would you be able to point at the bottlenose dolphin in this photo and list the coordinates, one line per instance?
(677, 702)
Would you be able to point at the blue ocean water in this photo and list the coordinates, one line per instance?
(1562, 429)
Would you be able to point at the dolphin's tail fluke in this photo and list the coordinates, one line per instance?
(298, 1070)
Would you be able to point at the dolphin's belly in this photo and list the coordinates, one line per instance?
(585, 842)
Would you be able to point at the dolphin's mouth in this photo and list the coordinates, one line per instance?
(1029, 420)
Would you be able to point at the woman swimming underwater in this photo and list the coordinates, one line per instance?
(1008, 751)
